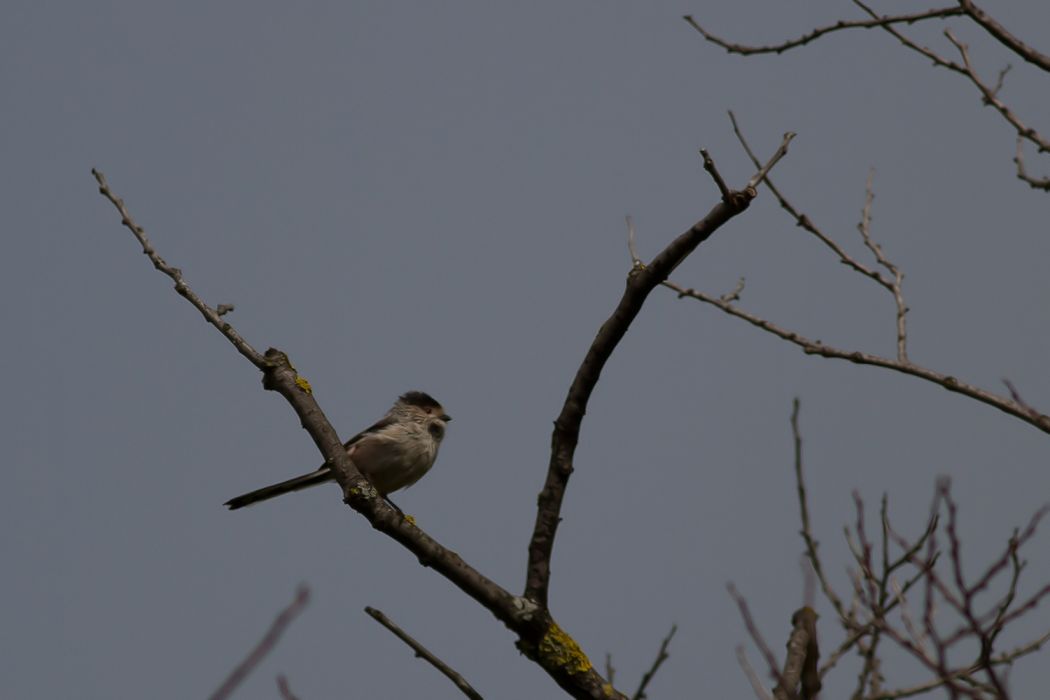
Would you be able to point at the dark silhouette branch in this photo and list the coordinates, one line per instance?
(890, 23)
(746, 50)
(642, 279)
(1009, 405)
(539, 636)
(423, 653)
(661, 656)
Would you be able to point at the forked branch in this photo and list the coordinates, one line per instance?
(642, 279)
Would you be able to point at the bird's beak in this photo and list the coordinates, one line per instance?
(445, 417)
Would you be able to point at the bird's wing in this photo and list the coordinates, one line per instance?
(375, 427)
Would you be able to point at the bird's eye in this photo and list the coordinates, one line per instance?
(436, 430)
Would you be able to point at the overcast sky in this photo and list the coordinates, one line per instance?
(422, 195)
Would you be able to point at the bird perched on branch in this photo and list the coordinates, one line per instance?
(394, 453)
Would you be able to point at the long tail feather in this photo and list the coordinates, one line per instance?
(267, 492)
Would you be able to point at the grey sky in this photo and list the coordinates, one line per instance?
(431, 195)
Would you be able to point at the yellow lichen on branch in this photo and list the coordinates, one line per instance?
(559, 649)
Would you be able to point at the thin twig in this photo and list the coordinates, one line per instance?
(773, 160)
(636, 261)
(815, 347)
(967, 71)
(265, 645)
(423, 653)
(756, 636)
(804, 222)
(752, 677)
(898, 277)
(807, 532)
(941, 13)
(284, 689)
(1036, 183)
(661, 656)
(211, 315)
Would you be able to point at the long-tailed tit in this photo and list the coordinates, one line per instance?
(392, 454)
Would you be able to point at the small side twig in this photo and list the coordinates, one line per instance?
(423, 653)
(864, 227)
(284, 689)
(712, 169)
(773, 160)
(661, 656)
(1036, 183)
(265, 645)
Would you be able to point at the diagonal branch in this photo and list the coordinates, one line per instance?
(988, 93)
(539, 636)
(1004, 37)
(265, 645)
(892, 283)
(661, 656)
(641, 280)
(212, 316)
(423, 653)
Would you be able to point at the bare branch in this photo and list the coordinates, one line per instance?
(265, 645)
(773, 160)
(423, 653)
(898, 277)
(712, 170)
(804, 222)
(211, 315)
(941, 13)
(284, 689)
(890, 24)
(640, 283)
(756, 636)
(816, 347)
(990, 98)
(635, 260)
(749, 671)
(807, 532)
(1003, 36)
(1036, 183)
(661, 656)
(966, 70)
(540, 637)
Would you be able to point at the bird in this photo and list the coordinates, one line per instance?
(392, 454)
